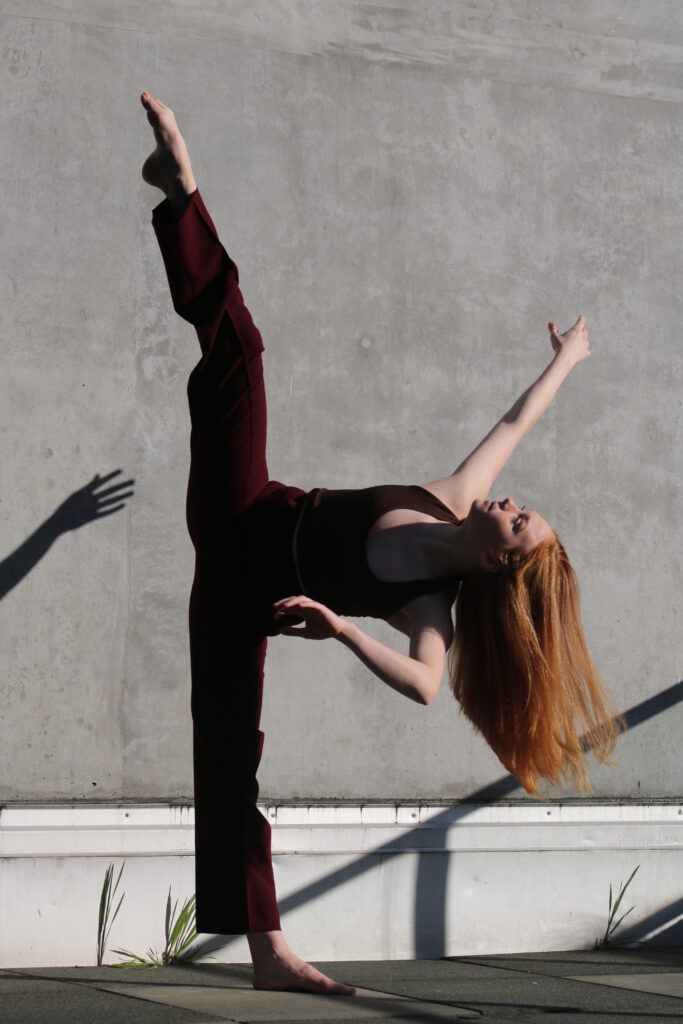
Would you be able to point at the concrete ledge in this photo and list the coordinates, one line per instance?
(168, 831)
(377, 881)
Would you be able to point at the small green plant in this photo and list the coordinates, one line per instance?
(106, 918)
(181, 932)
(612, 925)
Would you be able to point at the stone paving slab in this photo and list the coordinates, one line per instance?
(248, 1006)
(537, 995)
(409, 971)
(584, 962)
(516, 1016)
(532, 984)
(25, 999)
(238, 975)
(600, 987)
(658, 984)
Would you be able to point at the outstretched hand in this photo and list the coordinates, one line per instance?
(301, 616)
(94, 501)
(574, 342)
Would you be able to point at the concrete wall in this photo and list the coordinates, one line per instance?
(411, 191)
(381, 882)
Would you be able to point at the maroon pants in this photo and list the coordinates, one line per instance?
(241, 524)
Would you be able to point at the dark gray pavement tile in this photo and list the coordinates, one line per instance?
(25, 999)
(584, 987)
(590, 1017)
(522, 992)
(237, 975)
(659, 983)
(437, 1016)
(357, 973)
(592, 961)
(421, 1015)
(522, 1017)
(250, 1007)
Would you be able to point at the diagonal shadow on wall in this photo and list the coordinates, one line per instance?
(664, 927)
(431, 886)
(93, 501)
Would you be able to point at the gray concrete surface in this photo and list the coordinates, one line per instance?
(625, 985)
(411, 192)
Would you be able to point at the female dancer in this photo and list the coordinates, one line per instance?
(519, 663)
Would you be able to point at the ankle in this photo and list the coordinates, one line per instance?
(266, 944)
(179, 196)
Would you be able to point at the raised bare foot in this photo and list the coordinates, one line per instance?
(168, 167)
(276, 967)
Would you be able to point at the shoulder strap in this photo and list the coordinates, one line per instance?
(392, 496)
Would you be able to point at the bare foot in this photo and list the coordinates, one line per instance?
(168, 167)
(276, 967)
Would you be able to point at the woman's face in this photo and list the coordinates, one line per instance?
(504, 526)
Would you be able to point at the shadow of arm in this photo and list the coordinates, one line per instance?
(94, 501)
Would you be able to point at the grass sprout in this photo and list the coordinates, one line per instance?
(106, 918)
(612, 924)
(181, 932)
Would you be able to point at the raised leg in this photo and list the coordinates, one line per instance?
(226, 389)
(168, 167)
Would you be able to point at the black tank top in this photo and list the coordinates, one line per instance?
(329, 548)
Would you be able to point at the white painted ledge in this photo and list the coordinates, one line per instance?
(168, 831)
(376, 881)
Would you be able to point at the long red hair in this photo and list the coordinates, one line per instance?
(520, 668)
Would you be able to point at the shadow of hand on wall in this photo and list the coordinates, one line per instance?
(94, 501)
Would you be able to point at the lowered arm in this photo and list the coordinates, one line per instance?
(418, 674)
(426, 620)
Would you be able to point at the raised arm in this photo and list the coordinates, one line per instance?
(475, 476)
(426, 620)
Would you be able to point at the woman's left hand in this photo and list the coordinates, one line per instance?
(315, 621)
(574, 342)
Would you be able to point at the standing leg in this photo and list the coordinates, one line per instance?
(234, 875)
(227, 405)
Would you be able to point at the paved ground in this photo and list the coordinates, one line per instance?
(596, 987)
